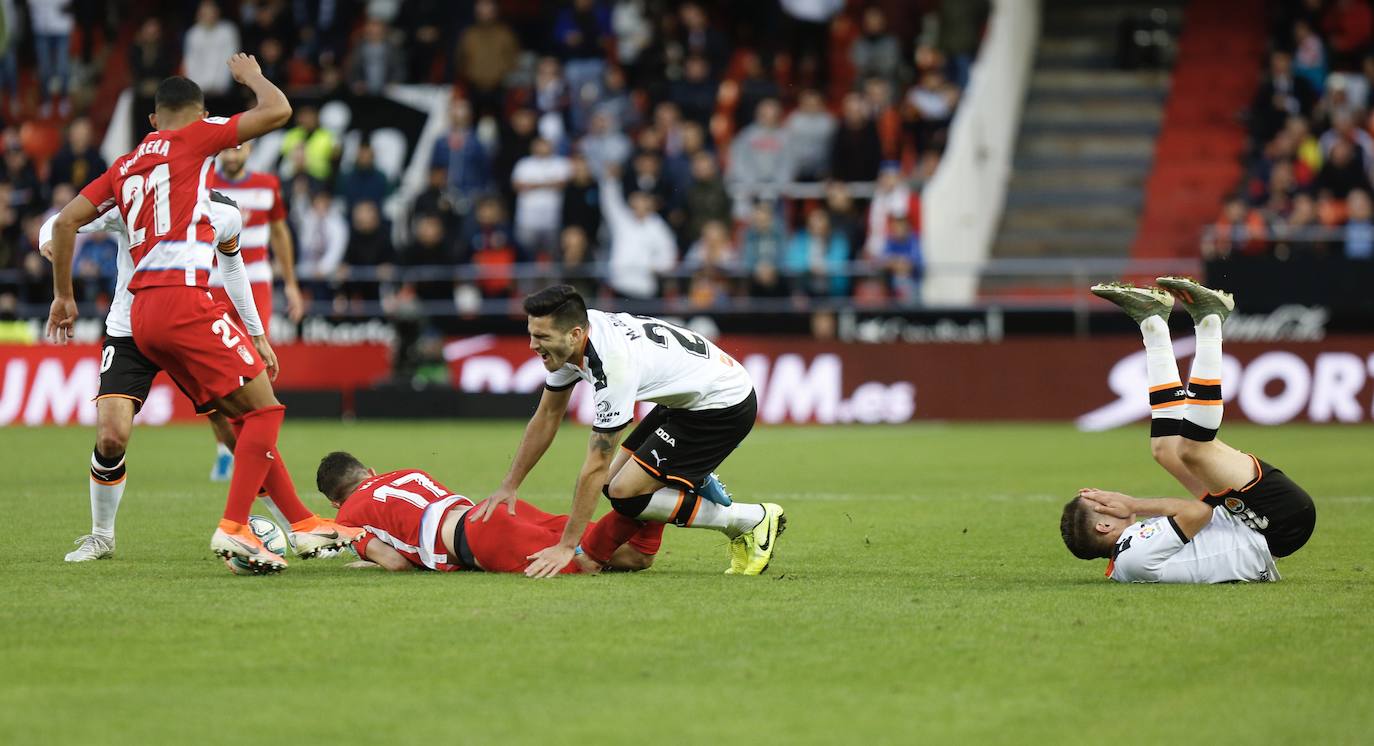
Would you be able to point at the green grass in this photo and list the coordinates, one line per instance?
(921, 594)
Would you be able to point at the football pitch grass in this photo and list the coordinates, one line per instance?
(920, 595)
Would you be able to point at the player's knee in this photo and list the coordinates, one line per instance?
(1193, 453)
(1164, 450)
(636, 561)
(629, 506)
(111, 442)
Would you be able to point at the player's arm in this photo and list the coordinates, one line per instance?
(1189, 515)
(389, 559)
(228, 222)
(539, 435)
(285, 250)
(595, 471)
(272, 110)
(62, 315)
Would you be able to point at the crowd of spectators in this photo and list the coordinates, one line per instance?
(641, 149)
(1308, 182)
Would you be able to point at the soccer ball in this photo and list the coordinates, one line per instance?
(271, 537)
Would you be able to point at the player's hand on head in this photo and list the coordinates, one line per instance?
(242, 65)
(1113, 504)
(546, 562)
(502, 496)
(268, 355)
(61, 318)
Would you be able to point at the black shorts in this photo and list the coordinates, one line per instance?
(679, 447)
(1273, 505)
(124, 372)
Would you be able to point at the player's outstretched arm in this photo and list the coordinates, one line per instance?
(1190, 515)
(388, 558)
(273, 109)
(539, 434)
(62, 315)
(595, 470)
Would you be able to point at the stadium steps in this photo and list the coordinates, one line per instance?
(1086, 143)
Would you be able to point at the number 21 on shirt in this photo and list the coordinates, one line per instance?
(135, 188)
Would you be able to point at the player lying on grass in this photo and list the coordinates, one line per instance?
(706, 407)
(126, 376)
(161, 194)
(1249, 512)
(412, 521)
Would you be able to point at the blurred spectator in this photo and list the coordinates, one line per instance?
(810, 130)
(817, 258)
(845, 218)
(961, 25)
(632, 31)
(876, 52)
(549, 97)
(209, 43)
(427, 25)
(1299, 231)
(695, 93)
(538, 181)
(376, 61)
(755, 87)
(1359, 228)
(462, 157)
(615, 99)
(856, 153)
(262, 21)
(582, 199)
(79, 161)
(642, 247)
(761, 160)
(26, 191)
(886, 117)
(765, 247)
(149, 59)
(309, 147)
(646, 175)
(713, 261)
(1343, 128)
(438, 199)
(1343, 171)
(491, 251)
(902, 261)
(1239, 229)
(432, 251)
(321, 240)
(487, 52)
(582, 35)
(808, 37)
(52, 30)
(1281, 95)
(892, 197)
(604, 145)
(272, 59)
(575, 265)
(364, 182)
(9, 78)
(1349, 24)
(1309, 56)
(706, 200)
(369, 245)
(931, 104)
(698, 39)
(516, 138)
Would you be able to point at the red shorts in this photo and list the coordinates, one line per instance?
(262, 298)
(504, 543)
(193, 338)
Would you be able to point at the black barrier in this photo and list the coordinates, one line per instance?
(1339, 284)
(439, 402)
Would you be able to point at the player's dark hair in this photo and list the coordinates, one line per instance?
(177, 93)
(562, 302)
(1078, 527)
(338, 473)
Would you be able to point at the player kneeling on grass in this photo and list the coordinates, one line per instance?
(1249, 512)
(413, 521)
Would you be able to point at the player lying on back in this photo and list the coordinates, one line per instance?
(412, 521)
(126, 375)
(1249, 512)
(161, 193)
(664, 471)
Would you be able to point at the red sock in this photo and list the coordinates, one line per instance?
(648, 538)
(278, 483)
(607, 534)
(257, 438)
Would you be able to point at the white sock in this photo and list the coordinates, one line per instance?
(670, 505)
(1167, 397)
(276, 513)
(1204, 383)
(107, 487)
(223, 450)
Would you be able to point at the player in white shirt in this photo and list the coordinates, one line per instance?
(1248, 512)
(663, 472)
(126, 376)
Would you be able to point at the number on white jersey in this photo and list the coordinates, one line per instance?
(693, 343)
(135, 187)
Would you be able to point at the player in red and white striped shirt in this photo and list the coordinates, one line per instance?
(258, 195)
(161, 192)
